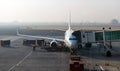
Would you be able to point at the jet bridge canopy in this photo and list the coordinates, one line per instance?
(109, 35)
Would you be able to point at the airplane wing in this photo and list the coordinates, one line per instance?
(39, 37)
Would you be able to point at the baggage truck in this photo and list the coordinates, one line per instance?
(40, 42)
(76, 63)
(5, 43)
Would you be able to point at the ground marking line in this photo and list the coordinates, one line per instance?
(20, 61)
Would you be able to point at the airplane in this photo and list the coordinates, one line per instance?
(69, 39)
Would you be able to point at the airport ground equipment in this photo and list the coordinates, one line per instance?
(33, 42)
(76, 63)
(5, 43)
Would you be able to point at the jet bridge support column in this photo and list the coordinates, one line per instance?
(104, 36)
(107, 50)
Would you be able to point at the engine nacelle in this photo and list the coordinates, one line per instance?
(53, 43)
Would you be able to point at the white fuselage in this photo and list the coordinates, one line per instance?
(70, 40)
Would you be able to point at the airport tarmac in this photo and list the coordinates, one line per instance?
(22, 58)
(94, 56)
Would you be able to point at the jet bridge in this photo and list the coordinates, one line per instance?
(113, 35)
(84, 37)
(109, 38)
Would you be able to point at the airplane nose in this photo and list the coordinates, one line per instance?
(73, 43)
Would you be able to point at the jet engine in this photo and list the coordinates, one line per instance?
(53, 43)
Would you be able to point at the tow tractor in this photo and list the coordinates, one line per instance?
(76, 63)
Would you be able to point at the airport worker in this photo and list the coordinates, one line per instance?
(34, 47)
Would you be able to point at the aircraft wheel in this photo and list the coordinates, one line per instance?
(80, 46)
(108, 54)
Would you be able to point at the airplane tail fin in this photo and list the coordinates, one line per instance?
(69, 21)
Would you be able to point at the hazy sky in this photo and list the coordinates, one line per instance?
(58, 10)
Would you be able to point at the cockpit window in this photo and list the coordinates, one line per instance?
(72, 38)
